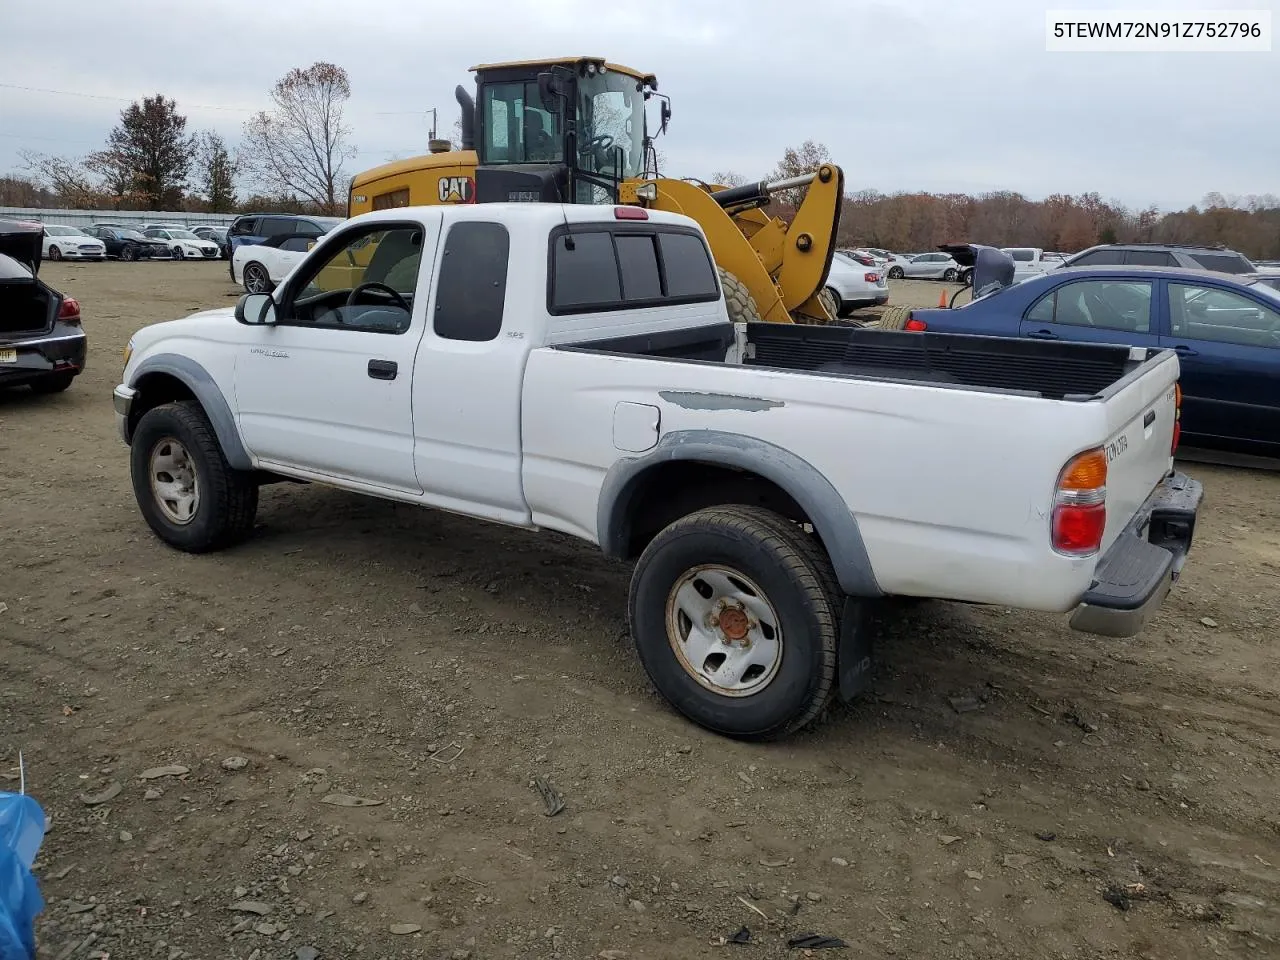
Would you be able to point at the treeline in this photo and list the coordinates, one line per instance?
(915, 222)
(292, 157)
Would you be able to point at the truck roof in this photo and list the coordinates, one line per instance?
(550, 214)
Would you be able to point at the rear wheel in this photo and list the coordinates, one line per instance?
(949, 275)
(741, 305)
(831, 300)
(733, 617)
(189, 495)
(895, 273)
(256, 278)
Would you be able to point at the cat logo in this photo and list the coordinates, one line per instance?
(457, 190)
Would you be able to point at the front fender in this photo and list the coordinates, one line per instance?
(821, 502)
(206, 390)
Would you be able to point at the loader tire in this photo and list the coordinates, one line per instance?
(831, 301)
(894, 318)
(742, 306)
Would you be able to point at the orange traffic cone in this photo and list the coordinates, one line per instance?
(942, 299)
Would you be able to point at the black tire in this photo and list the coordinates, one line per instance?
(796, 579)
(741, 305)
(966, 276)
(831, 300)
(228, 498)
(129, 252)
(261, 279)
(893, 318)
(896, 273)
(177, 253)
(949, 275)
(54, 252)
(54, 383)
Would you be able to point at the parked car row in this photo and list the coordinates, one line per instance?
(1224, 327)
(265, 247)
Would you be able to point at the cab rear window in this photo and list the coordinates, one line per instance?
(598, 268)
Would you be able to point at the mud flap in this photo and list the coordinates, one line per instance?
(854, 659)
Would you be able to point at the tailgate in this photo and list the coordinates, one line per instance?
(1140, 419)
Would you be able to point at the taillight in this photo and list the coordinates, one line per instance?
(914, 324)
(1080, 504)
(1177, 418)
(871, 277)
(69, 312)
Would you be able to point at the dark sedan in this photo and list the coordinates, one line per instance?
(125, 244)
(1225, 329)
(42, 344)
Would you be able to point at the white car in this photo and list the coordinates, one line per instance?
(68, 243)
(854, 285)
(183, 243)
(260, 266)
(925, 266)
(585, 390)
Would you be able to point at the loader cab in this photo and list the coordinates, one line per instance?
(557, 131)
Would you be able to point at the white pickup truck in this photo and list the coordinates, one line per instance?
(1031, 262)
(573, 368)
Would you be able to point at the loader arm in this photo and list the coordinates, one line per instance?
(783, 266)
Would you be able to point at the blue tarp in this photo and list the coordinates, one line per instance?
(22, 826)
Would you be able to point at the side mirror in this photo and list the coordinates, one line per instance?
(665, 112)
(256, 309)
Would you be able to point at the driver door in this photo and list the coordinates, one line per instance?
(326, 389)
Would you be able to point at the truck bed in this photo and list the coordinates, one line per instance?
(1056, 370)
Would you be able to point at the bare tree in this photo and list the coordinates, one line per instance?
(68, 179)
(797, 161)
(728, 178)
(300, 145)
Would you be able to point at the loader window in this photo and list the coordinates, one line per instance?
(517, 126)
(611, 119)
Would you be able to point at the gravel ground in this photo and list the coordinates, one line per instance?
(195, 727)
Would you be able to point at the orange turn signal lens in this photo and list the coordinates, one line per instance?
(1087, 471)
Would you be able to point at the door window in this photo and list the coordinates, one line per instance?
(1107, 304)
(367, 282)
(1216, 314)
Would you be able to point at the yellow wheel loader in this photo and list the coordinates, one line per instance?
(574, 130)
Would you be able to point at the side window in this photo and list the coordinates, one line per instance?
(472, 288)
(1042, 310)
(367, 283)
(1123, 305)
(585, 274)
(1150, 258)
(395, 198)
(297, 244)
(244, 227)
(1099, 258)
(274, 226)
(1222, 262)
(1223, 316)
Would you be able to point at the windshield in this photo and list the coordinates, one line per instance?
(611, 117)
(131, 235)
(182, 235)
(51, 231)
(1270, 286)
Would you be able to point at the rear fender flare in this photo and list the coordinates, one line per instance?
(206, 390)
(823, 505)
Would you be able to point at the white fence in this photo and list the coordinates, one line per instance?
(136, 218)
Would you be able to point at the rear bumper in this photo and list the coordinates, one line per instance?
(1138, 570)
(62, 350)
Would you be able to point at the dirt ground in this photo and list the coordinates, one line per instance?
(1101, 799)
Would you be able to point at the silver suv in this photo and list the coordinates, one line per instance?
(1194, 257)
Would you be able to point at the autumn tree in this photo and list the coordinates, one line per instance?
(217, 170)
(300, 145)
(795, 162)
(151, 144)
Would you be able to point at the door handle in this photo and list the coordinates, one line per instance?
(1043, 335)
(382, 369)
(1185, 351)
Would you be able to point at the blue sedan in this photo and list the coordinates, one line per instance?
(1225, 329)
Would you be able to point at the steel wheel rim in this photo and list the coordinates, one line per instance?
(724, 631)
(174, 483)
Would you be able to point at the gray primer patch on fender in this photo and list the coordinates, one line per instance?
(718, 401)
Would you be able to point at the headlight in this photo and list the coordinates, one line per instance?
(128, 351)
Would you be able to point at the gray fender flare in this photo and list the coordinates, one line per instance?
(211, 399)
(824, 506)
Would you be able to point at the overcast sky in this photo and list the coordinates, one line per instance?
(938, 95)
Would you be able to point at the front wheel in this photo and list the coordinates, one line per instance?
(177, 253)
(55, 253)
(831, 300)
(733, 619)
(129, 252)
(189, 495)
(949, 276)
